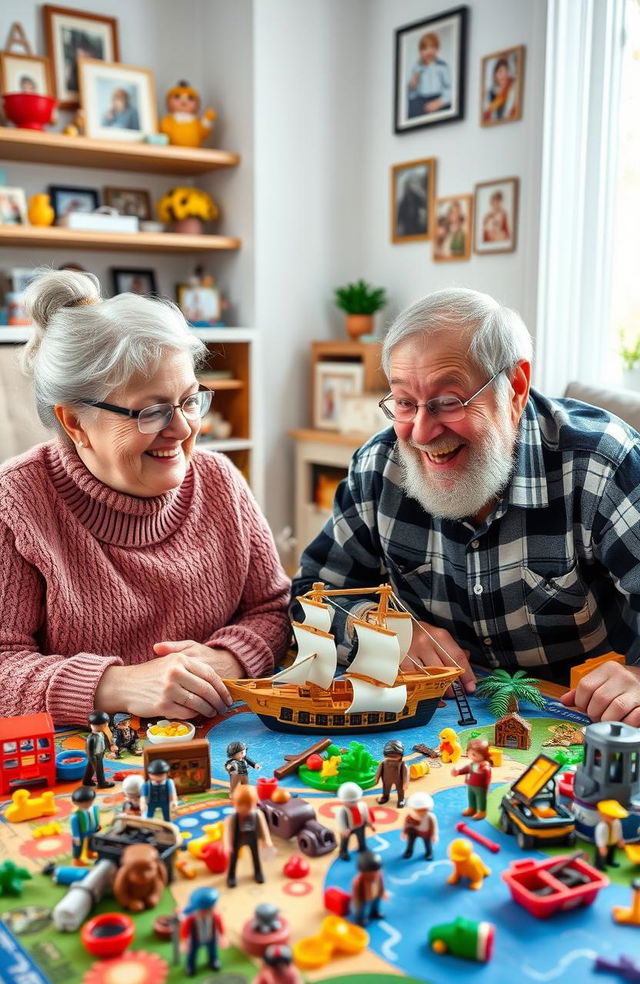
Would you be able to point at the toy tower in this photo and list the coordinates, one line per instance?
(610, 771)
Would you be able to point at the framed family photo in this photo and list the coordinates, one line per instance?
(13, 206)
(119, 101)
(67, 198)
(412, 190)
(496, 216)
(134, 281)
(501, 86)
(430, 70)
(129, 201)
(452, 235)
(24, 73)
(200, 305)
(332, 382)
(73, 34)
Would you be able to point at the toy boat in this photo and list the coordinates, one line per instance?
(373, 695)
(554, 884)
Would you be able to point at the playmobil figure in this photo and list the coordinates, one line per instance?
(96, 748)
(202, 926)
(246, 825)
(466, 864)
(278, 967)
(125, 734)
(84, 822)
(420, 822)
(450, 748)
(367, 888)
(607, 834)
(353, 818)
(158, 792)
(182, 125)
(236, 764)
(131, 787)
(478, 778)
(393, 771)
(140, 879)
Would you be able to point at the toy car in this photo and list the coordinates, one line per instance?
(530, 810)
(297, 818)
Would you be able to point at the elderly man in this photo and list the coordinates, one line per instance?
(507, 523)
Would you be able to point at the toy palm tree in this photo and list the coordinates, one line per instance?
(505, 693)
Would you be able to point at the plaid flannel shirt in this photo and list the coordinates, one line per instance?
(552, 575)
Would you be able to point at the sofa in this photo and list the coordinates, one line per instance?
(20, 427)
(623, 403)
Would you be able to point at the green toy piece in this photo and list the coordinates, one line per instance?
(355, 764)
(12, 877)
(505, 692)
(569, 756)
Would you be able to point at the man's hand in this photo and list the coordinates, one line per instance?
(609, 693)
(431, 652)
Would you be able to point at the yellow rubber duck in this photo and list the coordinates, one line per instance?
(41, 212)
(450, 748)
(466, 864)
(182, 125)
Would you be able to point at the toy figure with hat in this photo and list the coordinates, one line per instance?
(202, 926)
(182, 125)
(607, 834)
(84, 822)
(158, 792)
(96, 748)
(420, 822)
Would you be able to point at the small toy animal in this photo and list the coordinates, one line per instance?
(140, 879)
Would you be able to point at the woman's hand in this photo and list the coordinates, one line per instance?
(611, 692)
(431, 652)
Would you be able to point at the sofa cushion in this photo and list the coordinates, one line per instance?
(20, 426)
(623, 403)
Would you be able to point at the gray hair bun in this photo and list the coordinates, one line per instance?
(49, 293)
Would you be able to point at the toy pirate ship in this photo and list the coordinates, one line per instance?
(374, 694)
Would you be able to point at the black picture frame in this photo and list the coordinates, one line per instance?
(69, 198)
(135, 280)
(444, 35)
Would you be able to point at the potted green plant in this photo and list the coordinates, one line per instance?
(360, 302)
(629, 352)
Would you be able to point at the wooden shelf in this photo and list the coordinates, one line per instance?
(229, 444)
(222, 384)
(329, 437)
(53, 237)
(55, 148)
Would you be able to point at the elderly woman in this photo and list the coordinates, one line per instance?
(136, 571)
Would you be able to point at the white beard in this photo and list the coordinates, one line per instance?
(486, 474)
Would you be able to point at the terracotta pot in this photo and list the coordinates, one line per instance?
(28, 110)
(190, 226)
(359, 324)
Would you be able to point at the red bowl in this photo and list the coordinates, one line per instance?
(28, 110)
(109, 934)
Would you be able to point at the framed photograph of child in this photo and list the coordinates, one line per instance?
(332, 381)
(412, 189)
(68, 198)
(501, 86)
(119, 101)
(129, 201)
(496, 216)
(452, 233)
(73, 34)
(134, 281)
(200, 305)
(13, 206)
(430, 70)
(24, 73)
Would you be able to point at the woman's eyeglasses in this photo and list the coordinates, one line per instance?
(153, 419)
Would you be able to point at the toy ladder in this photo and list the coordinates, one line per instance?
(466, 717)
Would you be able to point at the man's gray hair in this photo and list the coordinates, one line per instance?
(498, 337)
(84, 348)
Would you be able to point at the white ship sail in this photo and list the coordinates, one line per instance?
(316, 659)
(316, 614)
(378, 654)
(402, 624)
(369, 697)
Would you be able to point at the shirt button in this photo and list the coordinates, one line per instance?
(478, 589)
(475, 544)
(487, 640)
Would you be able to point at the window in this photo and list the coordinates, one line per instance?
(322, 720)
(286, 714)
(355, 719)
(304, 717)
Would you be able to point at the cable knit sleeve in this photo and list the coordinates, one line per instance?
(30, 681)
(259, 630)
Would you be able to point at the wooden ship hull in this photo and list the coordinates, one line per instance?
(295, 709)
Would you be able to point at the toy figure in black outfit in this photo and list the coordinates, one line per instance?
(236, 764)
(246, 825)
(393, 771)
(125, 735)
(96, 747)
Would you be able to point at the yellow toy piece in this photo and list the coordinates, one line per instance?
(466, 864)
(337, 936)
(419, 769)
(330, 766)
(41, 211)
(28, 807)
(212, 832)
(450, 747)
(182, 125)
(629, 916)
(47, 829)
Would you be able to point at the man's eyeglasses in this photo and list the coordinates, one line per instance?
(446, 407)
(153, 419)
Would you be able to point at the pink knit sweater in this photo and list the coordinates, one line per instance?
(90, 577)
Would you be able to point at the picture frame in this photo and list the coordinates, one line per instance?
(332, 381)
(200, 305)
(453, 216)
(13, 206)
(134, 281)
(412, 193)
(76, 33)
(129, 201)
(25, 73)
(69, 198)
(118, 101)
(429, 70)
(20, 277)
(496, 215)
(502, 86)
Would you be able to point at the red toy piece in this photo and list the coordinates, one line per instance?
(315, 763)
(267, 927)
(27, 752)
(464, 828)
(108, 935)
(215, 857)
(266, 786)
(296, 867)
(337, 900)
(554, 884)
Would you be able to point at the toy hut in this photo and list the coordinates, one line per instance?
(27, 752)
(611, 766)
(512, 731)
